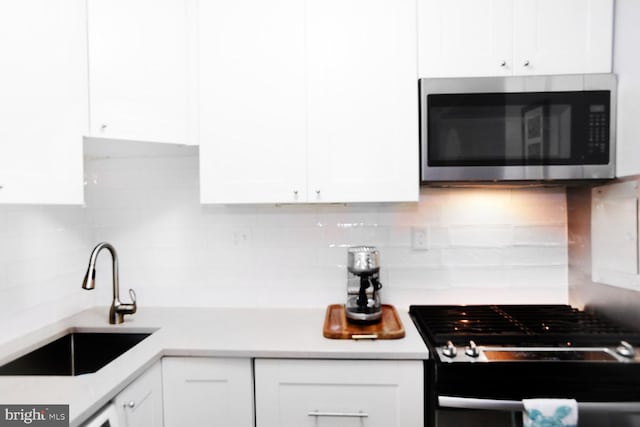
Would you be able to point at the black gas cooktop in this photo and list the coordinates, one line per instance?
(522, 351)
(518, 325)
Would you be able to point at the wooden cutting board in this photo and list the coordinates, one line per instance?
(337, 326)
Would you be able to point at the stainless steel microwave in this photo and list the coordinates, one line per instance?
(518, 128)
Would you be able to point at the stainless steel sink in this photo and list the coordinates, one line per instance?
(74, 354)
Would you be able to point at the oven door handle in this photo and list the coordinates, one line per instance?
(516, 405)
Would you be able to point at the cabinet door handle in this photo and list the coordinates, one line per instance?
(359, 414)
(130, 404)
(527, 63)
(503, 64)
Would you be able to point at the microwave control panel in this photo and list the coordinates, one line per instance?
(598, 141)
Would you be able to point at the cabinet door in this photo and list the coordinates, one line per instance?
(43, 100)
(465, 38)
(362, 100)
(615, 226)
(140, 69)
(627, 67)
(563, 37)
(201, 391)
(339, 393)
(140, 404)
(252, 98)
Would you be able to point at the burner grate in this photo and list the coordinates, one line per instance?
(518, 325)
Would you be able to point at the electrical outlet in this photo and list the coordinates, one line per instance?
(241, 237)
(420, 238)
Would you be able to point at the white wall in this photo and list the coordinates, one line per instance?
(487, 245)
(43, 254)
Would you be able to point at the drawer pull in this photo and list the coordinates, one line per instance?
(359, 414)
(364, 336)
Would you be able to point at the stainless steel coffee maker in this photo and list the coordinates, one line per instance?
(363, 285)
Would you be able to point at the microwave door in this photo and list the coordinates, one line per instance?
(516, 136)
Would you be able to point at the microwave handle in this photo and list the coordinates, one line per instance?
(516, 405)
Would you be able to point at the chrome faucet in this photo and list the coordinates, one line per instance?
(118, 309)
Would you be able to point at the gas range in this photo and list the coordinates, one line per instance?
(490, 357)
(518, 333)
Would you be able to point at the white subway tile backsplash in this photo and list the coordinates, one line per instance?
(479, 277)
(542, 212)
(540, 235)
(352, 234)
(286, 216)
(477, 237)
(3, 277)
(439, 237)
(481, 236)
(333, 257)
(289, 237)
(476, 207)
(348, 216)
(406, 257)
(542, 256)
(229, 215)
(3, 223)
(416, 279)
(404, 215)
(117, 218)
(464, 257)
(538, 277)
(485, 245)
(399, 237)
(552, 195)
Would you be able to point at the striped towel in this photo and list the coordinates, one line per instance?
(550, 413)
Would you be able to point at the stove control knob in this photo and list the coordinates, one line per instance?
(625, 349)
(450, 350)
(472, 350)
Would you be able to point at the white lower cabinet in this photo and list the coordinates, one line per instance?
(140, 404)
(207, 391)
(339, 393)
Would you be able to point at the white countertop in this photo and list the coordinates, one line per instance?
(224, 332)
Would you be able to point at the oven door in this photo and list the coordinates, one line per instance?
(518, 128)
(490, 393)
(472, 412)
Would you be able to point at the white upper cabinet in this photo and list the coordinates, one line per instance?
(562, 37)
(362, 105)
(627, 68)
(141, 63)
(465, 38)
(43, 100)
(468, 38)
(306, 101)
(252, 97)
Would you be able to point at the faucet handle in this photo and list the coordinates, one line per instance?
(118, 309)
(131, 307)
(132, 294)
